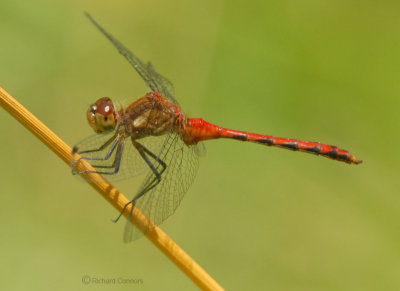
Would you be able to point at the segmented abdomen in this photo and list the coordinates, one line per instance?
(202, 130)
(315, 148)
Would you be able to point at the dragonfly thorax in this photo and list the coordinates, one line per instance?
(151, 115)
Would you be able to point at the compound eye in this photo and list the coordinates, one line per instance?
(104, 106)
(101, 115)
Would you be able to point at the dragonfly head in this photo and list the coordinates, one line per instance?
(101, 115)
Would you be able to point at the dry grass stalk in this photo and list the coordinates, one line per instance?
(111, 194)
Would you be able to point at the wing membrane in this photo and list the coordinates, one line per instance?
(161, 202)
(154, 80)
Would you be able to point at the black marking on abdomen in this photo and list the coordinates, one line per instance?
(266, 141)
(341, 157)
(240, 137)
(332, 154)
(313, 150)
(290, 145)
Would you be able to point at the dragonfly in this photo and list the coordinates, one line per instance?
(154, 134)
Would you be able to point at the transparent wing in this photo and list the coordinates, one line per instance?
(155, 81)
(166, 87)
(161, 202)
(131, 163)
(181, 161)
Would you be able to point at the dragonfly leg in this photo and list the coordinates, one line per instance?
(122, 211)
(116, 164)
(103, 146)
(154, 182)
(157, 174)
(109, 153)
(143, 151)
(76, 150)
(106, 157)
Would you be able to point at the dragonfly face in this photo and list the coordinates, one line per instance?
(101, 115)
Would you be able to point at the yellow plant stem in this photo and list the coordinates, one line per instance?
(181, 259)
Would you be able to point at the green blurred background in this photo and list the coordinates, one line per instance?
(255, 217)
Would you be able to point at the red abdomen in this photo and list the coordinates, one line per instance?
(200, 130)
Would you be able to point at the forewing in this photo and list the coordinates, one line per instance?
(165, 86)
(155, 81)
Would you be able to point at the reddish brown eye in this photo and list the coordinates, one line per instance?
(101, 115)
(104, 106)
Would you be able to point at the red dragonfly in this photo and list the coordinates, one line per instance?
(153, 133)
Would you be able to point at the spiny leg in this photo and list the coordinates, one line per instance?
(153, 183)
(103, 146)
(109, 153)
(75, 149)
(116, 164)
